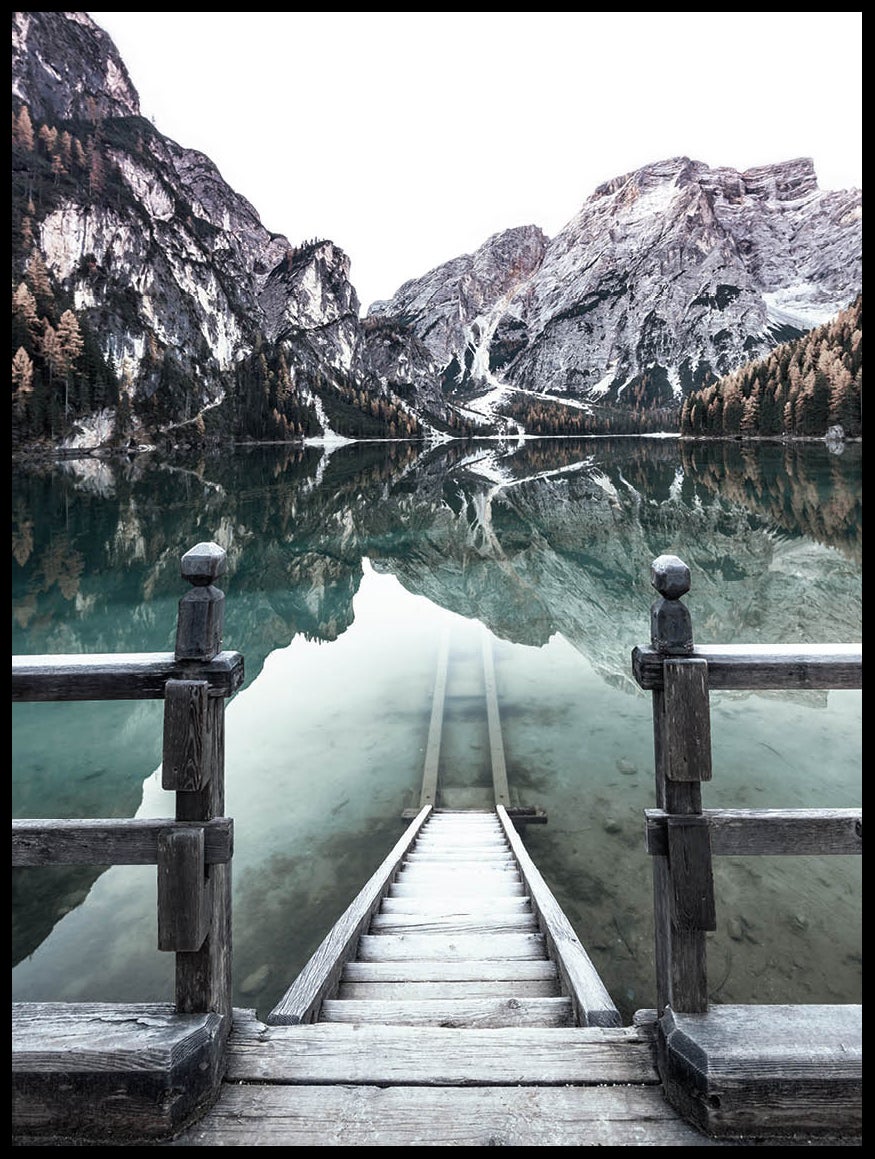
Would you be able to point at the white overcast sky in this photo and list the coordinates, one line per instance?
(409, 138)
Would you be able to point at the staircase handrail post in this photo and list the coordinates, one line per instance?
(194, 899)
(683, 892)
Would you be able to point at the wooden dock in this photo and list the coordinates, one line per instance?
(452, 1003)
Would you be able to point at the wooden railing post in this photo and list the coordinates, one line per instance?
(194, 899)
(683, 890)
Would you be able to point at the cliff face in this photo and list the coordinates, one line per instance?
(163, 258)
(664, 275)
(205, 320)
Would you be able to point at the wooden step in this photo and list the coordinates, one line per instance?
(461, 854)
(498, 887)
(484, 924)
(392, 991)
(457, 900)
(476, 970)
(439, 948)
(431, 903)
(484, 1012)
(446, 933)
(331, 1052)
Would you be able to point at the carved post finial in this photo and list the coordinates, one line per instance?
(671, 629)
(201, 615)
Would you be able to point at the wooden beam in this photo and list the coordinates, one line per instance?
(119, 676)
(748, 1071)
(184, 890)
(687, 711)
(110, 842)
(737, 832)
(184, 766)
(692, 881)
(111, 1073)
(592, 1002)
(762, 666)
(428, 796)
(500, 787)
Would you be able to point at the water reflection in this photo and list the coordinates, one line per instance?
(344, 570)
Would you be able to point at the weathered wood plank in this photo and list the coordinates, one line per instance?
(496, 856)
(184, 764)
(687, 720)
(339, 1053)
(511, 969)
(743, 1070)
(418, 990)
(458, 885)
(680, 955)
(435, 903)
(118, 676)
(663, 955)
(184, 891)
(692, 880)
(774, 832)
(453, 871)
(466, 889)
(403, 947)
(449, 833)
(428, 793)
(368, 1116)
(483, 1012)
(592, 1002)
(111, 1072)
(453, 924)
(203, 976)
(500, 788)
(100, 841)
(762, 666)
(301, 1001)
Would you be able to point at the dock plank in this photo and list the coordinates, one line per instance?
(483, 1012)
(367, 1116)
(323, 1052)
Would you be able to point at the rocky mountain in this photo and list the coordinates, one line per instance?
(210, 323)
(666, 278)
(150, 303)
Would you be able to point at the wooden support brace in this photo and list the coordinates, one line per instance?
(687, 720)
(185, 768)
(692, 881)
(184, 890)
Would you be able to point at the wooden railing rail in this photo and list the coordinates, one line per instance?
(122, 676)
(681, 836)
(192, 851)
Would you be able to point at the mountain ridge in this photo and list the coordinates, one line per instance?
(202, 325)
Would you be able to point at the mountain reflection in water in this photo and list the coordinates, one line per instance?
(346, 568)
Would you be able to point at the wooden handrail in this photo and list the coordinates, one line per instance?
(593, 1005)
(120, 676)
(111, 841)
(194, 903)
(762, 666)
(681, 836)
(773, 832)
(319, 977)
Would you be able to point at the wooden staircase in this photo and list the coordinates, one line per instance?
(450, 1005)
(457, 928)
(455, 941)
